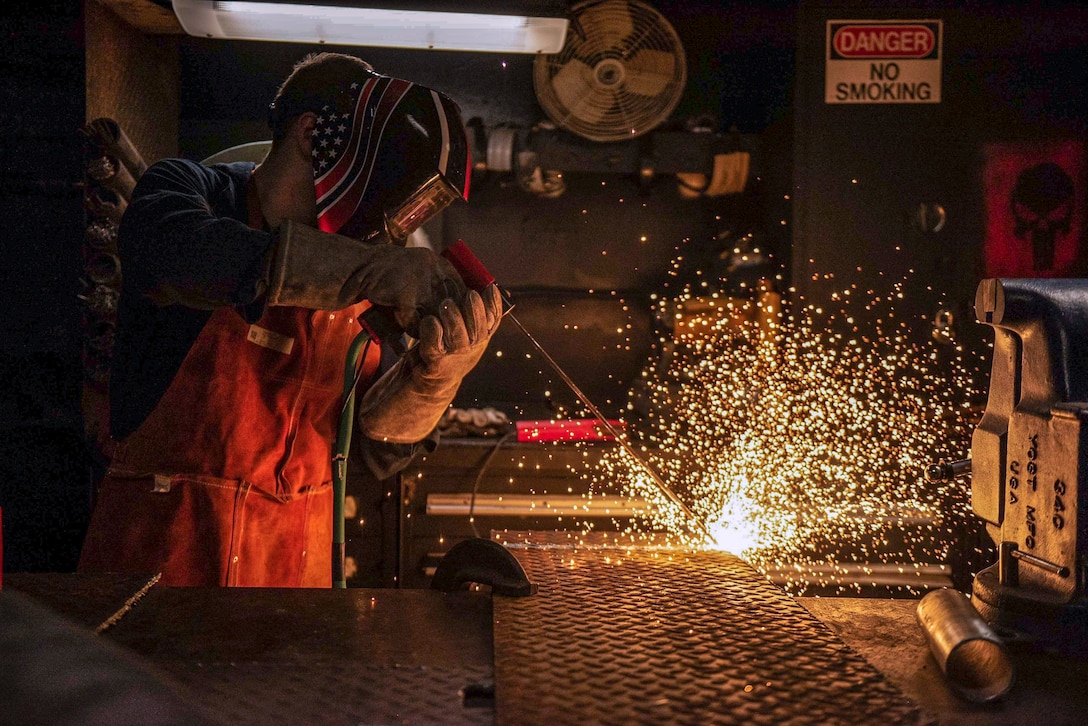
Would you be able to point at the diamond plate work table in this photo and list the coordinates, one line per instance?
(652, 637)
(638, 636)
(270, 656)
(612, 637)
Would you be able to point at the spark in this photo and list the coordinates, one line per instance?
(800, 440)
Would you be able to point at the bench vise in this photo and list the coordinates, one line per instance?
(1029, 459)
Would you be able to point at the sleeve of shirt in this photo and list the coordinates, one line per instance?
(184, 239)
(385, 459)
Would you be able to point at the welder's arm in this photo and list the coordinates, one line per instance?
(321, 271)
(406, 403)
(179, 248)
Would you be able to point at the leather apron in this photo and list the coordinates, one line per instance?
(229, 480)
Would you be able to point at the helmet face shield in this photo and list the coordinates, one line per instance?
(435, 195)
(388, 156)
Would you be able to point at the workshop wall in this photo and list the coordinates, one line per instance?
(132, 78)
(740, 69)
(871, 176)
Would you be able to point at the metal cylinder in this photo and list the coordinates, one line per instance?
(104, 269)
(946, 471)
(113, 175)
(969, 653)
(101, 235)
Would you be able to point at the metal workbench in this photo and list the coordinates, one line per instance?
(613, 636)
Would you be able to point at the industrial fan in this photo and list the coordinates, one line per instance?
(620, 74)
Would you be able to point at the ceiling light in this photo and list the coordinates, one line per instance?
(540, 26)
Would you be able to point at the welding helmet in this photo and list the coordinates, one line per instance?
(388, 155)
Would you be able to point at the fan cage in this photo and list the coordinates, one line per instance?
(620, 74)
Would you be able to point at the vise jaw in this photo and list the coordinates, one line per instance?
(1029, 458)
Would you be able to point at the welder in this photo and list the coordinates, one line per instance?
(244, 286)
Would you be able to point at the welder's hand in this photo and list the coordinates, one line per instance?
(413, 281)
(321, 271)
(407, 402)
(451, 344)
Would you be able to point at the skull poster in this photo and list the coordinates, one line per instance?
(1035, 218)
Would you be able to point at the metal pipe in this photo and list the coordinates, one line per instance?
(944, 471)
(1051, 567)
(531, 505)
(967, 650)
(875, 574)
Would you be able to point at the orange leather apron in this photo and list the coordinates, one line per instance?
(229, 480)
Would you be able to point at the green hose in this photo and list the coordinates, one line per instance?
(340, 455)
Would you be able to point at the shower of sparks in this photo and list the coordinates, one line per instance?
(801, 440)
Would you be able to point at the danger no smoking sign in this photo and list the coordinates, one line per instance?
(883, 61)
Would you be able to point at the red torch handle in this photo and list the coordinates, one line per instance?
(472, 271)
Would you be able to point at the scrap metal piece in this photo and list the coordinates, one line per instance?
(129, 604)
(673, 636)
(968, 651)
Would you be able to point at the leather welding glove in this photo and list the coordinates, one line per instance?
(312, 269)
(406, 403)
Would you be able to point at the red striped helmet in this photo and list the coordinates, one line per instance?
(388, 155)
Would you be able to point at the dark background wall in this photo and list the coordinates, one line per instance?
(44, 468)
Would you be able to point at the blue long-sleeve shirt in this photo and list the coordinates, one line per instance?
(186, 249)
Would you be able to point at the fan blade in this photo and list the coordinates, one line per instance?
(649, 72)
(573, 87)
(606, 25)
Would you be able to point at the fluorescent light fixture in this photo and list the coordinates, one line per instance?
(341, 24)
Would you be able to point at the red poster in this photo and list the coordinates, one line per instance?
(1034, 196)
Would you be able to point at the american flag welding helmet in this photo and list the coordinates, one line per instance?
(388, 154)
